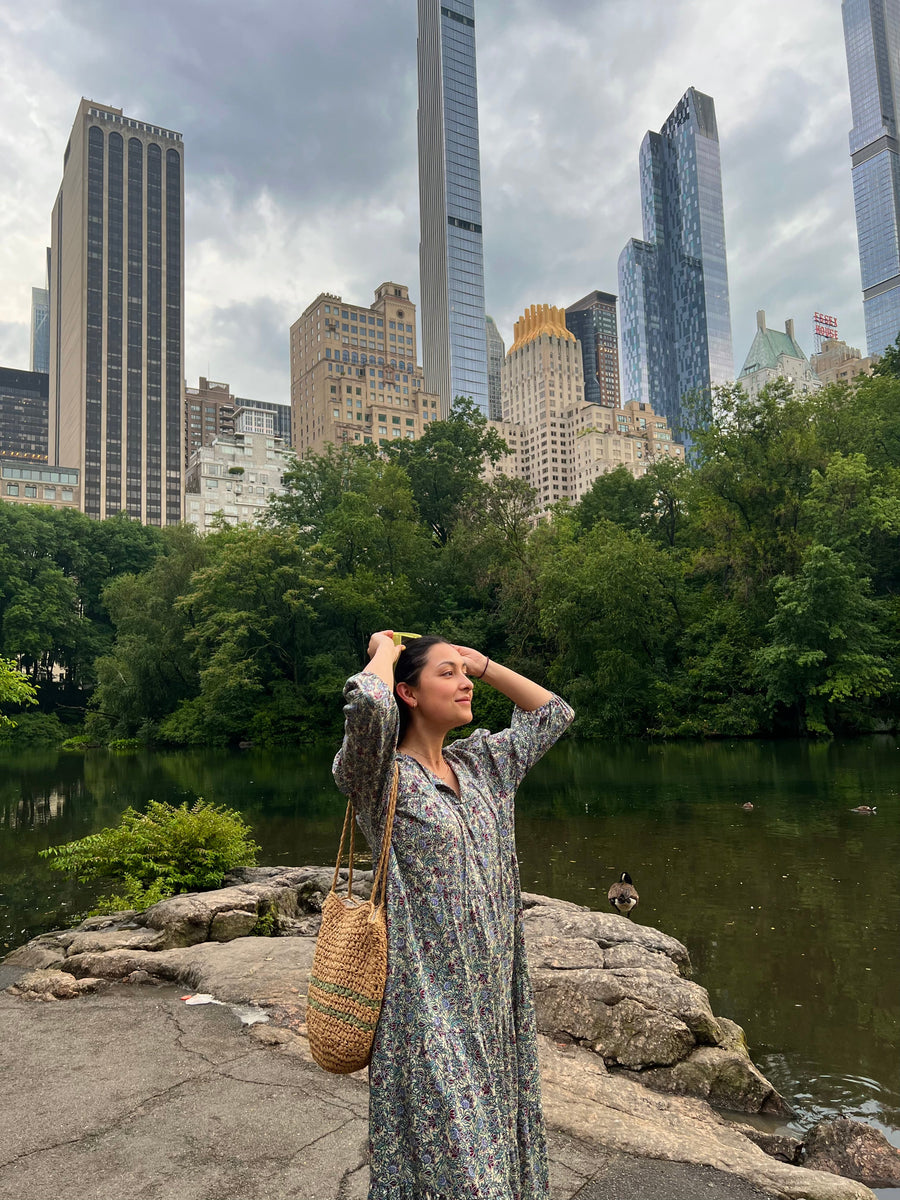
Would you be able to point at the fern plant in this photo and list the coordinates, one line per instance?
(158, 853)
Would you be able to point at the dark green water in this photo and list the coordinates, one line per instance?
(791, 911)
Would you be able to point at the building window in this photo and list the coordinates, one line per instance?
(31, 490)
(12, 489)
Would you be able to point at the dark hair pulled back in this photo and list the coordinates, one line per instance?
(408, 669)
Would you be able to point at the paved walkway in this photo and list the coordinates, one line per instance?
(132, 1094)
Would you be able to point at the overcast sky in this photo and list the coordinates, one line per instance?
(299, 124)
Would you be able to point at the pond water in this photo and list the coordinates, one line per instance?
(791, 910)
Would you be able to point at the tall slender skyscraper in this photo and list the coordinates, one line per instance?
(676, 316)
(116, 315)
(872, 38)
(40, 324)
(40, 330)
(451, 262)
(496, 353)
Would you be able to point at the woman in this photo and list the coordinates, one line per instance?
(455, 1108)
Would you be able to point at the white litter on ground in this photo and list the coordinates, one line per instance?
(247, 1014)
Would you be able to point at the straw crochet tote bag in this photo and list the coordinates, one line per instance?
(349, 970)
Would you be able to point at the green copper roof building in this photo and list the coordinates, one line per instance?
(776, 355)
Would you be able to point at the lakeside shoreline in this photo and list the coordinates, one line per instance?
(666, 1120)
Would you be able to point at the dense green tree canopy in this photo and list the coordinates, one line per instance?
(753, 593)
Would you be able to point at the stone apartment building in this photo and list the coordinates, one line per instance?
(354, 372)
(235, 476)
(209, 410)
(23, 482)
(837, 362)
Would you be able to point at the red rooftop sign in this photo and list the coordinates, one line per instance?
(825, 326)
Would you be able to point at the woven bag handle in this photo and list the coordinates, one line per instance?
(378, 882)
(349, 816)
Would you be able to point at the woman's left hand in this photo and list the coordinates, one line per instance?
(474, 660)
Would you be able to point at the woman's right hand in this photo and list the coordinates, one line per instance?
(384, 641)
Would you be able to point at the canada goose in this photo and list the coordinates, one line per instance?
(623, 895)
(864, 809)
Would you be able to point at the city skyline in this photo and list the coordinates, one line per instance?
(278, 208)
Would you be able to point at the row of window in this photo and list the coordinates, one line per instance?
(40, 474)
(31, 492)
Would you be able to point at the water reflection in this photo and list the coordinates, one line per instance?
(790, 910)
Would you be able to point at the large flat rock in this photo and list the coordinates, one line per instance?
(631, 1051)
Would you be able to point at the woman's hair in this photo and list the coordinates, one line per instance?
(408, 669)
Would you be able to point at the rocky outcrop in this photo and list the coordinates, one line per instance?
(853, 1149)
(622, 990)
(632, 1054)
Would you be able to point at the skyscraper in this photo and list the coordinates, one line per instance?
(593, 321)
(116, 315)
(40, 325)
(676, 317)
(872, 39)
(451, 262)
(496, 352)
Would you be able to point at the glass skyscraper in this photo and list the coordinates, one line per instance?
(872, 38)
(673, 285)
(496, 353)
(451, 262)
(40, 330)
(40, 324)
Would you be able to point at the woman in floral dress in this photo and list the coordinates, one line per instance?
(455, 1105)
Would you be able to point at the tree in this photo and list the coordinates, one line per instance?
(889, 363)
(827, 642)
(619, 497)
(15, 690)
(611, 604)
(445, 464)
(314, 485)
(149, 669)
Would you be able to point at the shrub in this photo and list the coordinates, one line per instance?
(159, 853)
(82, 742)
(33, 729)
(124, 744)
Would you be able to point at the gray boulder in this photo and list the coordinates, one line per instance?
(854, 1150)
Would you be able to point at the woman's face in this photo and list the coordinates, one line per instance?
(443, 695)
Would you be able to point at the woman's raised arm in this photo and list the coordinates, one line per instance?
(523, 692)
(382, 656)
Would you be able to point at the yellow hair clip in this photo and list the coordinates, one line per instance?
(399, 638)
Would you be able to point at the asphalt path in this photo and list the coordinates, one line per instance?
(131, 1093)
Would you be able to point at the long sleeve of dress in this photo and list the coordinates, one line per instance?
(363, 765)
(513, 751)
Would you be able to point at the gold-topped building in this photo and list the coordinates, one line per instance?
(541, 382)
(559, 442)
(538, 320)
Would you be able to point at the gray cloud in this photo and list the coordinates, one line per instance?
(300, 133)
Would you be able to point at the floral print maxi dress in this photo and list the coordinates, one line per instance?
(455, 1105)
